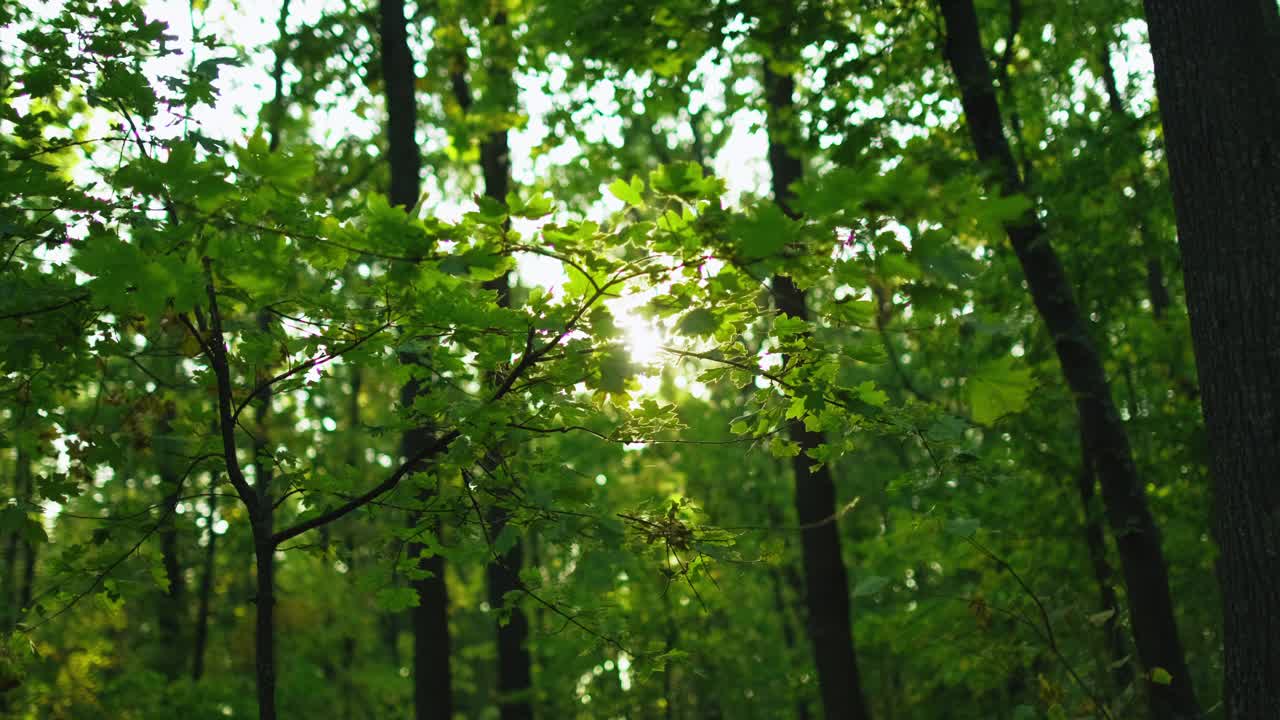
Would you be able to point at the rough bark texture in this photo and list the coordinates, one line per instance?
(826, 583)
(1103, 434)
(1218, 79)
(432, 689)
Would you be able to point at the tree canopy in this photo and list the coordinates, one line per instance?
(666, 359)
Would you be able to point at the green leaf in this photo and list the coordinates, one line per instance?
(1160, 676)
(1100, 618)
(871, 395)
(763, 233)
(699, 321)
(629, 193)
(870, 585)
(999, 388)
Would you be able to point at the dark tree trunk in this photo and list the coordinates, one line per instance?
(1157, 290)
(29, 549)
(1113, 634)
(265, 555)
(16, 591)
(1103, 434)
(171, 608)
(201, 640)
(1217, 69)
(783, 609)
(826, 583)
(514, 672)
(432, 691)
(275, 117)
(402, 109)
(432, 647)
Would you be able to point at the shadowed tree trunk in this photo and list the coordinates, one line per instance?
(432, 689)
(1103, 434)
(1157, 290)
(1113, 634)
(1218, 78)
(826, 582)
(201, 639)
(502, 573)
(171, 607)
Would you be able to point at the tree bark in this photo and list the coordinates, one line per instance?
(1217, 68)
(201, 639)
(826, 582)
(169, 617)
(1113, 635)
(1157, 290)
(265, 647)
(515, 674)
(432, 691)
(1103, 434)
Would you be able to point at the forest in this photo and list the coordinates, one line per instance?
(643, 359)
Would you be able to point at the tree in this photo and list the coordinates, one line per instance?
(1219, 89)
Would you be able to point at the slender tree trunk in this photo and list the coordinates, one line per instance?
(502, 573)
(12, 596)
(171, 604)
(432, 690)
(265, 660)
(206, 593)
(275, 117)
(29, 549)
(1157, 290)
(1113, 634)
(826, 582)
(1217, 69)
(514, 671)
(788, 634)
(1103, 434)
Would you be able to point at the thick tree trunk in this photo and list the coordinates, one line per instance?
(1218, 79)
(826, 583)
(1103, 434)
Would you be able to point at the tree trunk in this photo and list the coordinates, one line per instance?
(1113, 634)
(265, 659)
(206, 593)
(169, 618)
(514, 672)
(432, 693)
(1157, 290)
(502, 572)
(1103, 434)
(1217, 69)
(826, 583)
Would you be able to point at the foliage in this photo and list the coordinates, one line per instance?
(162, 276)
